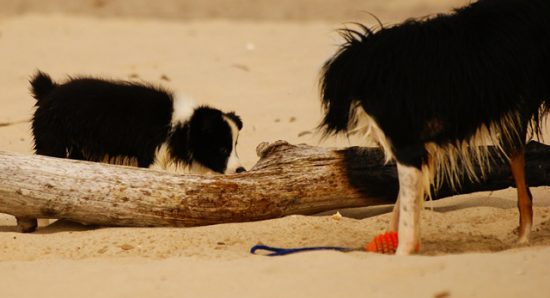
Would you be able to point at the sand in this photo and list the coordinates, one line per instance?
(265, 68)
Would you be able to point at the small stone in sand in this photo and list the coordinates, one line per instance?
(304, 133)
(241, 67)
(126, 246)
(99, 3)
(442, 295)
(337, 216)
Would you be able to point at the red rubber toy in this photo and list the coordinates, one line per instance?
(385, 243)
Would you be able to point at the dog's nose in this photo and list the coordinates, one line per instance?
(240, 170)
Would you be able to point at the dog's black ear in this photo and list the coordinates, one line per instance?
(236, 119)
(205, 120)
(180, 144)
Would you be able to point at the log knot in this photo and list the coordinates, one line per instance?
(265, 148)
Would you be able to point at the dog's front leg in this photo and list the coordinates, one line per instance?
(410, 204)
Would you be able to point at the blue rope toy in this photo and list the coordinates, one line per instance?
(277, 251)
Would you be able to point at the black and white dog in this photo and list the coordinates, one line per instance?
(132, 124)
(432, 90)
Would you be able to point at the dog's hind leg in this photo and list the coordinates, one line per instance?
(26, 224)
(525, 199)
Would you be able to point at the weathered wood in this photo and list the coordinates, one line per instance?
(288, 179)
(365, 173)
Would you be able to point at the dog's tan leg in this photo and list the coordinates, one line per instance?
(394, 222)
(525, 204)
(410, 204)
(26, 224)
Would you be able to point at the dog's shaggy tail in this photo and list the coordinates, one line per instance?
(338, 82)
(41, 85)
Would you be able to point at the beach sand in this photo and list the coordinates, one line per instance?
(264, 65)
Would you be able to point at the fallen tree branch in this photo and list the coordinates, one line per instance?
(287, 179)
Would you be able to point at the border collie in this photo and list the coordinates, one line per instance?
(431, 91)
(130, 123)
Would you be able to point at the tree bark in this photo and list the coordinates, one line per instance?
(288, 179)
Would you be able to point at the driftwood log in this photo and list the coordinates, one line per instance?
(287, 179)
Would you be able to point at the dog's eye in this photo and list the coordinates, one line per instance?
(223, 151)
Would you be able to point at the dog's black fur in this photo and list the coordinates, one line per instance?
(441, 78)
(432, 90)
(94, 119)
